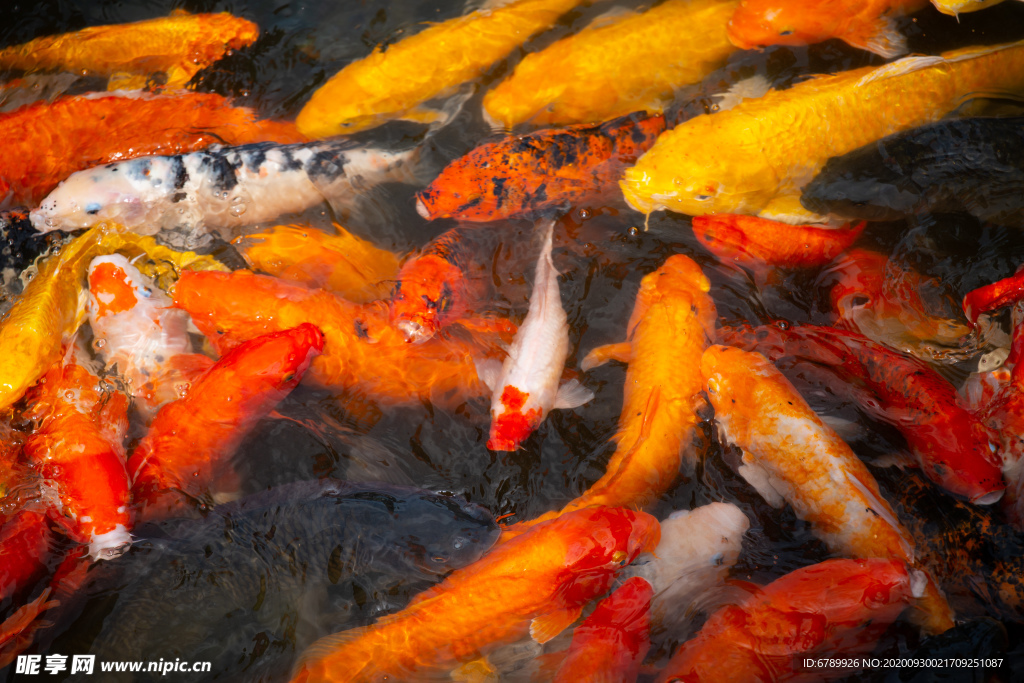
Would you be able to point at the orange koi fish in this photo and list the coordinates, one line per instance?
(537, 584)
(191, 440)
(608, 66)
(361, 351)
(344, 264)
(790, 455)
(952, 446)
(50, 141)
(753, 243)
(884, 303)
(737, 161)
(519, 175)
(835, 608)
(868, 25)
(392, 82)
(526, 386)
(671, 325)
(170, 50)
(77, 444)
(610, 644)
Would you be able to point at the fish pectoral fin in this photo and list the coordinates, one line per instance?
(761, 479)
(572, 394)
(880, 36)
(787, 208)
(546, 627)
(900, 459)
(623, 351)
(489, 372)
(326, 646)
(476, 671)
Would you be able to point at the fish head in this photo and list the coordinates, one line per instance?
(859, 276)
(679, 279)
(115, 286)
(760, 23)
(87, 198)
(429, 293)
(446, 533)
(513, 419)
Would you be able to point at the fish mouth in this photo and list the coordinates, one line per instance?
(988, 498)
(414, 332)
(422, 209)
(113, 543)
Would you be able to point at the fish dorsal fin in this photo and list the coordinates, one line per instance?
(879, 36)
(326, 646)
(622, 351)
(732, 592)
(489, 372)
(900, 67)
(547, 626)
(572, 394)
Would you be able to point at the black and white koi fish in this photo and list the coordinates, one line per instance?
(221, 186)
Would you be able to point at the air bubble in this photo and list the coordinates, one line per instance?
(237, 206)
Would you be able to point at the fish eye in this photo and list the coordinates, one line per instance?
(702, 197)
(444, 302)
(787, 32)
(430, 303)
(92, 208)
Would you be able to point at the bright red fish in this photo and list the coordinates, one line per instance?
(994, 296)
(837, 608)
(191, 440)
(951, 445)
(610, 644)
(47, 142)
(78, 444)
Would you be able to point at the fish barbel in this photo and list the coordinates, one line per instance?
(179, 45)
(392, 83)
(617, 65)
(526, 388)
(738, 161)
(220, 186)
(790, 455)
(49, 141)
(537, 584)
(867, 24)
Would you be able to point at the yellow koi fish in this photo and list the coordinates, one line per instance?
(177, 46)
(755, 157)
(391, 83)
(955, 7)
(600, 73)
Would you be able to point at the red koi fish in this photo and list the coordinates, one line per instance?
(752, 242)
(77, 444)
(537, 584)
(994, 296)
(610, 644)
(361, 350)
(515, 176)
(191, 440)
(951, 445)
(50, 141)
(837, 608)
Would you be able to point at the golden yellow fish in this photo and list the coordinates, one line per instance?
(616, 65)
(755, 157)
(177, 46)
(52, 306)
(391, 83)
(344, 264)
(955, 7)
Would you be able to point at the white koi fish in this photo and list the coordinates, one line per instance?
(220, 186)
(526, 386)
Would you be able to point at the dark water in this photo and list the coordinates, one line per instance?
(602, 251)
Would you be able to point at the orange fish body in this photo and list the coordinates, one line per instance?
(789, 454)
(619, 64)
(610, 644)
(25, 544)
(865, 24)
(77, 444)
(753, 242)
(177, 46)
(535, 585)
(361, 351)
(50, 141)
(192, 439)
(516, 176)
(344, 264)
(835, 608)
(670, 327)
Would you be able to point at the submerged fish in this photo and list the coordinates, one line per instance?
(790, 455)
(281, 568)
(537, 584)
(737, 161)
(868, 25)
(393, 82)
(619, 64)
(221, 186)
(955, 7)
(46, 142)
(168, 49)
(526, 387)
(837, 608)
(972, 165)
